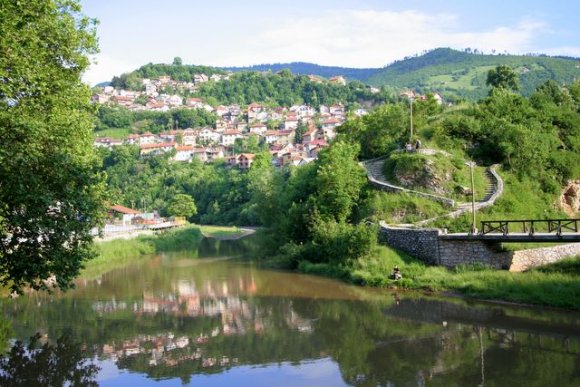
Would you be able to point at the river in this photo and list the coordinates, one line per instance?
(212, 317)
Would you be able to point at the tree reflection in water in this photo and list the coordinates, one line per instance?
(36, 364)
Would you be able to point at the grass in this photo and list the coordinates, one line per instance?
(556, 285)
(521, 199)
(449, 173)
(120, 252)
(118, 133)
(221, 232)
(400, 207)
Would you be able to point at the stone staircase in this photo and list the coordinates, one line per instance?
(494, 189)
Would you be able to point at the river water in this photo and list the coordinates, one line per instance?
(211, 317)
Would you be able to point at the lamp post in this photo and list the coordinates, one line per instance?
(411, 118)
(473, 230)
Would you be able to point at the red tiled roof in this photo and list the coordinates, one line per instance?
(124, 210)
(157, 145)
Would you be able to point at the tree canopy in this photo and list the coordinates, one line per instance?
(503, 76)
(50, 191)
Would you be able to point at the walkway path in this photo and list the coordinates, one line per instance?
(494, 190)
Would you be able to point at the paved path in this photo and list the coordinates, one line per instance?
(494, 190)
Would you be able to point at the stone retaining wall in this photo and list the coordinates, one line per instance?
(455, 253)
(426, 245)
(422, 243)
(526, 259)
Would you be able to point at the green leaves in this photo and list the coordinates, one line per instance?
(50, 191)
(182, 205)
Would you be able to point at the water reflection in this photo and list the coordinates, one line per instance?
(41, 363)
(176, 316)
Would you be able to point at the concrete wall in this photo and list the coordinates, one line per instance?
(526, 259)
(426, 245)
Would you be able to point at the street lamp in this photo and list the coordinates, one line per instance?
(471, 165)
(411, 118)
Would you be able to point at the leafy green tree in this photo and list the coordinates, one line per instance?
(503, 76)
(300, 130)
(182, 205)
(339, 180)
(50, 193)
(128, 81)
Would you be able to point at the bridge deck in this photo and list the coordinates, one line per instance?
(515, 237)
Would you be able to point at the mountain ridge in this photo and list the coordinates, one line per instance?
(452, 73)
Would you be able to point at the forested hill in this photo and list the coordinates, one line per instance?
(464, 73)
(304, 68)
(442, 70)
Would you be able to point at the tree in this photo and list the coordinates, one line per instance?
(182, 205)
(50, 192)
(503, 77)
(177, 61)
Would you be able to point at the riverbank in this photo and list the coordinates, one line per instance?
(556, 285)
(120, 252)
(207, 231)
(225, 232)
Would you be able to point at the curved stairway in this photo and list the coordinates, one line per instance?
(494, 189)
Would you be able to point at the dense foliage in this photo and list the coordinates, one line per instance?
(177, 71)
(303, 68)
(220, 194)
(113, 117)
(50, 193)
(277, 89)
(286, 89)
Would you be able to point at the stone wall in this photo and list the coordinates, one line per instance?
(454, 253)
(526, 259)
(422, 243)
(427, 245)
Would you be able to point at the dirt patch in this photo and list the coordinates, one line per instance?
(570, 198)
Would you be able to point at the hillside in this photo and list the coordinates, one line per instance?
(443, 70)
(304, 68)
(463, 74)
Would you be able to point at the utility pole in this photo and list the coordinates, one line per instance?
(473, 230)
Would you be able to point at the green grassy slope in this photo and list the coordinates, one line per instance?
(455, 72)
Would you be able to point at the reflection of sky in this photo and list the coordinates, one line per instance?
(323, 372)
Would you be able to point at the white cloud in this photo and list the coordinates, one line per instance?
(368, 38)
(104, 68)
(353, 38)
(565, 51)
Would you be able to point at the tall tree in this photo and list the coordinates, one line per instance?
(503, 76)
(182, 205)
(50, 192)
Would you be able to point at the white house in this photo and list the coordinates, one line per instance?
(229, 137)
(183, 153)
(189, 137)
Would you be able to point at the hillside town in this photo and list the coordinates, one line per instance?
(233, 123)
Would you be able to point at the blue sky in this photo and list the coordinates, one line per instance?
(350, 33)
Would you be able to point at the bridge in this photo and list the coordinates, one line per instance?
(523, 231)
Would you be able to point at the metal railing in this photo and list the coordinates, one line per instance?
(530, 227)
